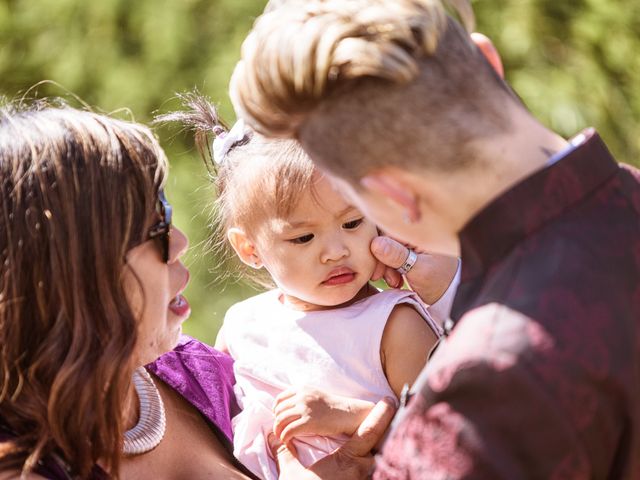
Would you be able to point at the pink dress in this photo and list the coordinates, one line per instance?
(276, 347)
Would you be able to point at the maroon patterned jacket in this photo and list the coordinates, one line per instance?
(540, 376)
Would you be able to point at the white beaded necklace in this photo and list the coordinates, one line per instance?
(148, 432)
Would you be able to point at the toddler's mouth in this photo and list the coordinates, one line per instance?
(340, 276)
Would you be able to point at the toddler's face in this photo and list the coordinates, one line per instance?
(320, 255)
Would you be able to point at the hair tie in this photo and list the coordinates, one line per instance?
(226, 140)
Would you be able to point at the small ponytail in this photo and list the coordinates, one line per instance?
(200, 116)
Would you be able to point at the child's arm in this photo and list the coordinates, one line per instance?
(405, 346)
(312, 412)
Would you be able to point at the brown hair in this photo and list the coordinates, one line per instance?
(76, 192)
(369, 83)
(258, 179)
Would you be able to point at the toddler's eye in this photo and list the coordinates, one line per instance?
(303, 239)
(352, 224)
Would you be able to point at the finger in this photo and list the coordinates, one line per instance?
(285, 405)
(285, 456)
(288, 393)
(379, 271)
(393, 278)
(388, 251)
(281, 423)
(371, 429)
(337, 465)
(292, 430)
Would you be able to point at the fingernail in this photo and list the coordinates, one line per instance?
(386, 248)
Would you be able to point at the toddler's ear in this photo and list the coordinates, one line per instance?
(244, 247)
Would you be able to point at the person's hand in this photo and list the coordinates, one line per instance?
(307, 411)
(430, 276)
(351, 461)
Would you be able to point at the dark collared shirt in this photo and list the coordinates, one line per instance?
(540, 377)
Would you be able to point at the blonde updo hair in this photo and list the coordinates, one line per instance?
(369, 84)
(298, 52)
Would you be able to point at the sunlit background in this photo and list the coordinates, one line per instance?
(574, 62)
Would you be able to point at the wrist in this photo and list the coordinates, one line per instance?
(355, 411)
(432, 275)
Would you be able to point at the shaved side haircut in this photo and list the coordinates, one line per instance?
(368, 83)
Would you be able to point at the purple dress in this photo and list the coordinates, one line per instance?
(204, 377)
(201, 374)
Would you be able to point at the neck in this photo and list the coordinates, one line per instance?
(131, 409)
(501, 163)
(297, 304)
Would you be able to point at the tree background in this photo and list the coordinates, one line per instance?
(575, 63)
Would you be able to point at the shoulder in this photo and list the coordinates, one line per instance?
(253, 304)
(486, 424)
(405, 306)
(404, 319)
(188, 357)
(386, 301)
(203, 376)
(184, 367)
(497, 356)
(406, 328)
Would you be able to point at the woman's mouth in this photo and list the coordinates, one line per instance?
(340, 276)
(179, 306)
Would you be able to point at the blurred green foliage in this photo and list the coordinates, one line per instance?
(574, 62)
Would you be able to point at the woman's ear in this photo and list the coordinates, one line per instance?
(489, 51)
(244, 247)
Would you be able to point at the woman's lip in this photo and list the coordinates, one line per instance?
(185, 283)
(180, 307)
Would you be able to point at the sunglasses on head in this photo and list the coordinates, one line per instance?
(162, 230)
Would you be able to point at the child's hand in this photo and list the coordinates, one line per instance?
(306, 411)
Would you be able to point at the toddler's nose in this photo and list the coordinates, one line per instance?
(334, 250)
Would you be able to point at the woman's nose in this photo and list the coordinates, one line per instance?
(178, 244)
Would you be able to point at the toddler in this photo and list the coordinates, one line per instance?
(314, 353)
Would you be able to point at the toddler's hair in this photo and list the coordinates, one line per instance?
(258, 179)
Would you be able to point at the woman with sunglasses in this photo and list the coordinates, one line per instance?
(96, 380)
(91, 289)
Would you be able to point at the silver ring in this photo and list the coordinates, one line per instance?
(408, 264)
